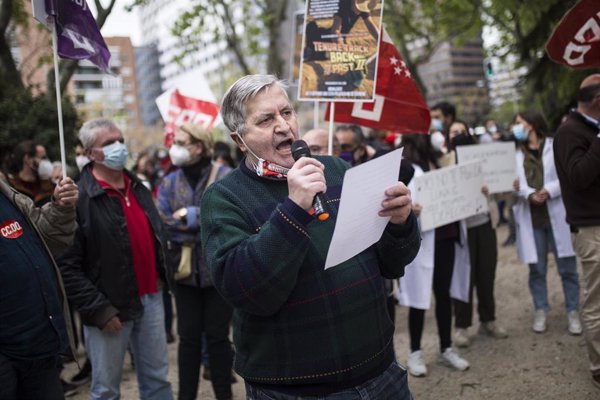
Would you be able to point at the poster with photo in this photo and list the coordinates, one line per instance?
(339, 51)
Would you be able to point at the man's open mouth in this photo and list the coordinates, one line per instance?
(285, 145)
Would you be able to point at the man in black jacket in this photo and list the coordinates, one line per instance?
(114, 271)
(577, 159)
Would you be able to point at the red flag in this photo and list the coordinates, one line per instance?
(184, 109)
(398, 106)
(575, 41)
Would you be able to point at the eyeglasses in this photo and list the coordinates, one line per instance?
(348, 146)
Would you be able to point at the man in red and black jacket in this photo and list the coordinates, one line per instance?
(115, 270)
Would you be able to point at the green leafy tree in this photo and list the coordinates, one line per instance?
(419, 27)
(523, 28)
(250, 28)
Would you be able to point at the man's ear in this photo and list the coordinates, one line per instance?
(238, 141)
(90, 154)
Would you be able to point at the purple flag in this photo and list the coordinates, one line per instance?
(78, 35)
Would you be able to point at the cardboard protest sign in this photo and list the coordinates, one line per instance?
(339, 52)
(450, 194)
(498, 162)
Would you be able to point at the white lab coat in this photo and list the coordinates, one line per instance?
(414, 288)
(526, 249)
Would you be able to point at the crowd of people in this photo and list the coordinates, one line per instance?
(234, 242)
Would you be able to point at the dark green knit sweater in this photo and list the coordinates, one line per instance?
(294, 322)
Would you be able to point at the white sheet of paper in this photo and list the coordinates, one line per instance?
(358, 224)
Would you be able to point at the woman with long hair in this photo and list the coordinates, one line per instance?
(540, 219)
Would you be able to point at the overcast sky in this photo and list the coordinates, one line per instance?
(121, 22)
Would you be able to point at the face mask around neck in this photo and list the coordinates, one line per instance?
(262, 167)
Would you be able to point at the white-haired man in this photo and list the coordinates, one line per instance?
(299, 330)
(114, 271)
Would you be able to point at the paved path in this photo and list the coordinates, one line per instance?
(525, 366)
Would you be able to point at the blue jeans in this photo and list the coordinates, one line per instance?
(30, 379)
(391, 384)
(567, 268)
(106, 351)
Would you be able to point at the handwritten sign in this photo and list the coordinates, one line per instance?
(450, 194)
(498, 161)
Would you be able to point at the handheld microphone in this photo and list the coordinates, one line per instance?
(300, 149)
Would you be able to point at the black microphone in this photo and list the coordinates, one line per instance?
(300, 149)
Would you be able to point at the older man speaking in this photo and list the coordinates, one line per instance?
(299, 330)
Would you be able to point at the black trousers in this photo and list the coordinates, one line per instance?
(483, 252)
(203, 310)
(442, 277)
(30, 379)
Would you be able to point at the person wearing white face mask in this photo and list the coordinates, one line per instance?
(80, 158)
(30, 172)
(200, 309)
(115, 271)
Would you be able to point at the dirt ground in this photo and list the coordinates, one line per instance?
(552, 365)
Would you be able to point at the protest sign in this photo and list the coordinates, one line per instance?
(339, 52)
(498, 162)
(450, 194)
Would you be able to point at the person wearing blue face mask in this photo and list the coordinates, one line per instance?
(115, 270)
(540, 220)
(443, 114)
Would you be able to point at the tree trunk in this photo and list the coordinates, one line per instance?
(8, 69)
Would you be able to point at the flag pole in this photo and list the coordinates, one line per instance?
(316, 115)
(330, 141)
(61, 133)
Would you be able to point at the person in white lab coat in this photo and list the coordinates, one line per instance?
(540, 218)
(442, 263)
(483, 256)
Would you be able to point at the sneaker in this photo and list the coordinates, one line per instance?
(461, 337)
(574, 323)
(415, 365)
(451, 358)
(539, 321)
(84, 375)
(491, 329)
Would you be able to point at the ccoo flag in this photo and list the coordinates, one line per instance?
(575, 41)
(78, 35)
(398, 107)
